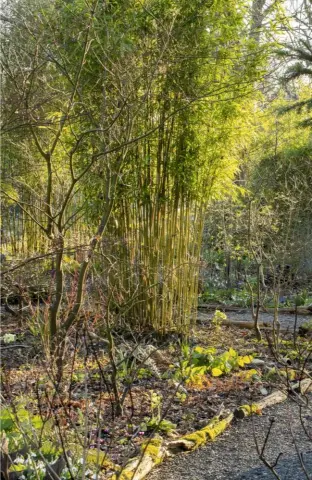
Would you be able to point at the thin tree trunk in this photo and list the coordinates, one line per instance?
(54, 310)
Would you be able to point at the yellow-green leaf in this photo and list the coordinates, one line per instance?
(232, 352)
(240, 361)
(216, 372)
(247, 374)
(17, 468)
(247, 359)
(199, 349)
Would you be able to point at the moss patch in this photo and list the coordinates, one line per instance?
(198, 438)
(214, 430)
(210, 432)
(124, 475)
(152, 449)
(248, 410)
(100, 459)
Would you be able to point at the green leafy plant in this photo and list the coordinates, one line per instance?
(11, 421)
(201, 361)
(156, 401)
(144, 373)
(164, 425)
(8, 338)
(181, 396)
(189, 370)
(203, 356)
(228, 361)
(156, 422)
(218, 318)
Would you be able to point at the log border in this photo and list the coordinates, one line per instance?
(155, 451)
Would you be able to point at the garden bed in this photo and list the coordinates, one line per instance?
(171, 392)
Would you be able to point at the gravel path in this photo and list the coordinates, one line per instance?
(287, 319)
(233, 455)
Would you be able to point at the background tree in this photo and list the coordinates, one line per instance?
(129, 118)
(298, 54)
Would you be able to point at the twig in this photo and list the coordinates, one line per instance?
(14, 346)
(261, 452)
(299, 455)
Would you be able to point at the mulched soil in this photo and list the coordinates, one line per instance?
(89, 391)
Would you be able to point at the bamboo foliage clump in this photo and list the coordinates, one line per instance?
(159, 218)
(159, 223)
(169, 176)
(126, 131)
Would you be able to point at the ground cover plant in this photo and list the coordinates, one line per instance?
(170, 389)
(155, 226)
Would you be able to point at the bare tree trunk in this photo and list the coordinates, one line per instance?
(111, 353)
(59, 284)
(112, 182)
(256, 314)
(276, 322)
(257, 16)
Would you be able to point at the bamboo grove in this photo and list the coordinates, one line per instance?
(120, 124)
